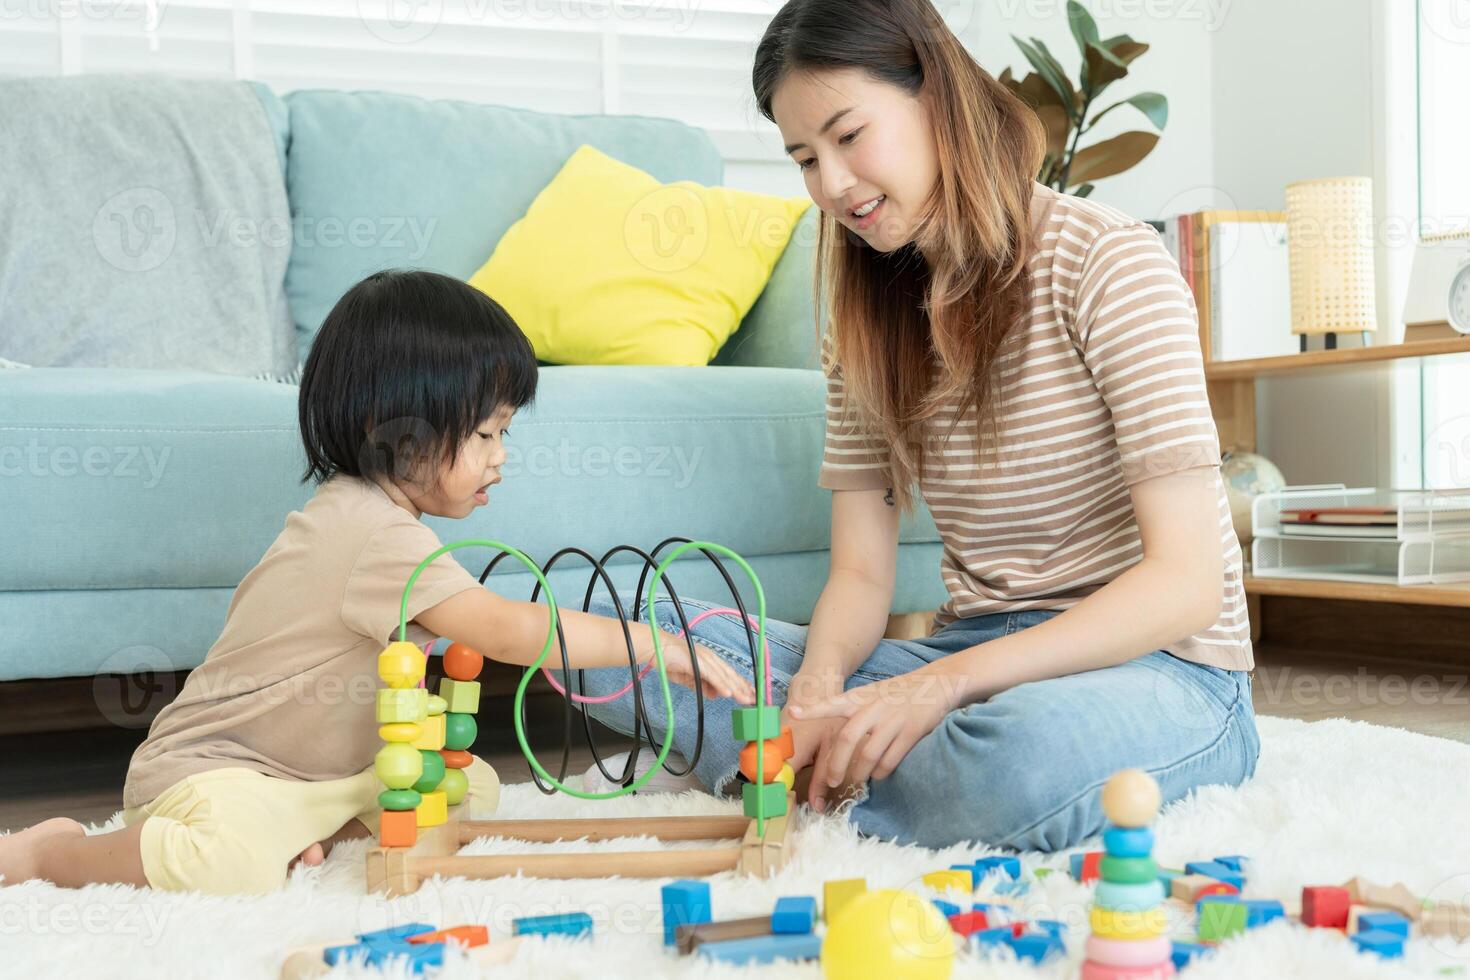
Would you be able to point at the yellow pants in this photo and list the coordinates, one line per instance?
(235, 830)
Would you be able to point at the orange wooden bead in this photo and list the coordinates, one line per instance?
(398, 828)
(773, 760)
(786, 743)
(462, 663)
(456, 759)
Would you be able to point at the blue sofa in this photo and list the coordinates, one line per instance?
(132, 502)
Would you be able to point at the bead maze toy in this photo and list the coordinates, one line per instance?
(427, 739)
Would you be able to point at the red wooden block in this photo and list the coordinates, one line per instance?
(1326, 906)
(967, 923)
(398, 828)
(463, 935)
(1092, 866)
(1018, 929)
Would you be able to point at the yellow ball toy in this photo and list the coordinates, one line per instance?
(891, 934)
(401, 665)
(1131, 798)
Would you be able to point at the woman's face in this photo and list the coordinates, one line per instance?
(859, 140)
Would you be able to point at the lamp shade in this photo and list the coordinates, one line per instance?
(1329, 229)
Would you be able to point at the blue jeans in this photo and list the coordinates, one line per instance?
(1023, 770)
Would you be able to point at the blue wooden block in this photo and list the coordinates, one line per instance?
(1037, 946)
(1017, 888)
(395, 933)
(1386, 944)
(565, 924)
(1216, 870)
(333, 955)
(1262, 911)
(1385, 922)
(1166, 878)
(794, 915)
(1051, 927)
(947, 909)
(1128, 842)
(996, 936)
(685, 903)
(1235, 862)
(1010, 865)
(1074, 863)
(1186, 953)
(763, 949)
(419, 956)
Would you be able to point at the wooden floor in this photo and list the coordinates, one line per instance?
(80, 774)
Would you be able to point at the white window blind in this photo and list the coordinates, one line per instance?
(684, 59)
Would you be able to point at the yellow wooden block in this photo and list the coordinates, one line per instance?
(433, 809)
(431, 734)
(397, 704)
(1129, 924)
(836, 894)
(462, 697)
(953, 878)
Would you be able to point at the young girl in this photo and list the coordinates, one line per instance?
(267, 754)
(1029, 363)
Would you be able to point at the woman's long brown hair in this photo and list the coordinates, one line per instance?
(914, 328)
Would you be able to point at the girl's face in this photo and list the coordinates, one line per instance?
(857, 141)
(462, 483)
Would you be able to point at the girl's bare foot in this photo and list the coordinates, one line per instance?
(18, 860)
(311, 857)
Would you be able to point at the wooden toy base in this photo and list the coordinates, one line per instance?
(395, 871)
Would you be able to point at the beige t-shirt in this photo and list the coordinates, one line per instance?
(1102, 388)
(289, 688)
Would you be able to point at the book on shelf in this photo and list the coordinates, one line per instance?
(1367, 522)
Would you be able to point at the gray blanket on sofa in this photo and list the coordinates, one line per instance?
(144, 224)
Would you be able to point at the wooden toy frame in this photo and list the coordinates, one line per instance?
(398, 871)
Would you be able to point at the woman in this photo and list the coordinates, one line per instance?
(1029, 362)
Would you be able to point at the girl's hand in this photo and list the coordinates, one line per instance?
(884, 720)
(717, 678)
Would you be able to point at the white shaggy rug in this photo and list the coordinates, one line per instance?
(1330, 800)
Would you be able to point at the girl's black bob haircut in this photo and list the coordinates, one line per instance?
(401, 373)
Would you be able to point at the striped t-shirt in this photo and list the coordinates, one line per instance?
(1102, 388)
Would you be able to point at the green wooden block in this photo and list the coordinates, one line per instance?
(461, 697)
(751, 724)
(402, 704)
(1221, 919)
(1128, 871)
(771, 796)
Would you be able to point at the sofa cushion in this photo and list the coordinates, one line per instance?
(781, 328)
(145, 225)
(380, 181)
(140, 479)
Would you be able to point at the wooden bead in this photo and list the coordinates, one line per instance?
(459, 730)
(771, 750)
(1131, 798)
(401, 665)
(398, 765)
(462, 663)
(787, 777)
(398, 799)
(786, 742)
(398, 828)
(398, 731)
(432, 774)
(455, 785)
(436, 705)
(456, 759)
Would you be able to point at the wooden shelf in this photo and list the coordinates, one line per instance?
(1423, 595)
(1343, 357)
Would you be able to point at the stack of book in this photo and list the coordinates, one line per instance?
(1236, 264)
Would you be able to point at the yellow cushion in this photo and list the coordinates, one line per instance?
(611, 267)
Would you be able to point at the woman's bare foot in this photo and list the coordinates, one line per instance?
(18, 851)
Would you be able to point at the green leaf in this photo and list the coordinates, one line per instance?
(1084, 28)
(1046, 66)
(1111, 157)
(1124, 48)
(1035, 92)
(1101, 68)
(1151, 104)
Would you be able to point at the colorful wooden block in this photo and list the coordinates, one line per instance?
(968, 923)
(1396, 897)
(1384, 921)
(1389, 945)
(836, 894)
(395, 933)
(1221, 916)
(1325, 906)
(685, 903)
(402, 705)
(994, 936)
(433, 810)
(460, 696)
(398, 828)
(1086, 866)
(770, 798)
(1235, 862)
(946, 909)
(564, 924)
(1260, 911)
(691, 937)
(763, 949)
(1218, 871)
(1185, 953)
(961, 880)
(1010, 866)
(1447, 919)
(1128, 841)
(754, 724)
(1037, 946)
(1191, 888)
(431, 734)
(466, 936)
(1052, 927)
(794, 914)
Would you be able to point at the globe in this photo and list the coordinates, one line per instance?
(1246, 477)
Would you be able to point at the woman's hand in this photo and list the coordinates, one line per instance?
(809, 734)
(717, 678)
(881, 722)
